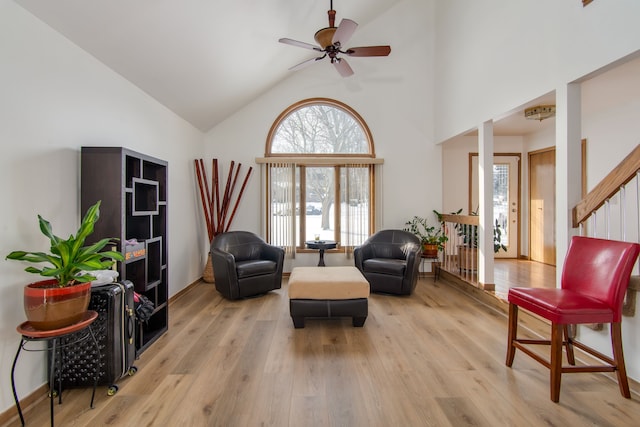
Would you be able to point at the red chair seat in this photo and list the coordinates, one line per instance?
(561, 305)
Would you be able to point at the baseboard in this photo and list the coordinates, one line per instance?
(184, 290)
(486, 297)
(26, 403)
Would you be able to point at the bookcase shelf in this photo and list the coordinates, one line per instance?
(133, 190)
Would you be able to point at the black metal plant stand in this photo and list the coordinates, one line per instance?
(51, 338)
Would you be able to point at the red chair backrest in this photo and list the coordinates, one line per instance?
(600, 268)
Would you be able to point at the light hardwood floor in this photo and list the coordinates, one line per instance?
(509, 273)
(433, 359)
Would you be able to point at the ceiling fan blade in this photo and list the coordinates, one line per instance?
(305, 64)
(344, 32)
(343, 67)
(369, 51)
(300, 44)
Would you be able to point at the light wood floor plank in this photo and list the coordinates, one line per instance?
(435, 358)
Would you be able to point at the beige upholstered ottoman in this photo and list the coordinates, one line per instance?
(328, 292)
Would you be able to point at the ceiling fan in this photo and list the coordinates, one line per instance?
(331, 40)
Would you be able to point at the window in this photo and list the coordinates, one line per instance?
(319, 174)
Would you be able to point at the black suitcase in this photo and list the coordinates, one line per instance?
(114, 330)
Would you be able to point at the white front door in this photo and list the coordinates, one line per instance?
(506, 204)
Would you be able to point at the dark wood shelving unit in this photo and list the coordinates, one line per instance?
(133, 190)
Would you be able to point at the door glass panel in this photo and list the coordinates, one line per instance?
(505, 199)
(501, 200)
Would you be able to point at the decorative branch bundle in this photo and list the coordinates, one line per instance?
(216, 204)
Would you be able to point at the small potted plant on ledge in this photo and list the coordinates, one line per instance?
(432, 238)
(63, 297)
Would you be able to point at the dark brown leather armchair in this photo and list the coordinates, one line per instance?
(390, 261)
(244, 265)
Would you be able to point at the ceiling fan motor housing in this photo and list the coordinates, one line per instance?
(324, 37)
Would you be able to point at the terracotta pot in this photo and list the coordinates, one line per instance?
(48, 306)
(429, 250)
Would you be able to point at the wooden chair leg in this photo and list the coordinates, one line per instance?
(569, 346)
(513, 333)
(618, 358)
(556, 360)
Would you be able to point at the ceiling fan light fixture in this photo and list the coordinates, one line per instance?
(540, 112)
(324, 37)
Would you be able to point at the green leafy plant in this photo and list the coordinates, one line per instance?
(469, 234)
(427, 233)
(497, 238)
(69, 259)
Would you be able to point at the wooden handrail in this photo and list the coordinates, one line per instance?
(610, 185)
(461, 219)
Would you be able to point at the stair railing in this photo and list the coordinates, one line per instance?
(612, 211)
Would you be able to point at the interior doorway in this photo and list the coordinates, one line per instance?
(542, 206)
(506, 198)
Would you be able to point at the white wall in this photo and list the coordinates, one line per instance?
(493, 56)
(54, 99)
(393, 95)
(455, 165)
(611, 118)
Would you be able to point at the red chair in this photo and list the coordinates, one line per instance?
(594, 280)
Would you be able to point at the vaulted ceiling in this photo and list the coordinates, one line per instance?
(203, 59)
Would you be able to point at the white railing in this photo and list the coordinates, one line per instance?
(460, 255)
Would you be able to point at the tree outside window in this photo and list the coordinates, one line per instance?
(322, 193)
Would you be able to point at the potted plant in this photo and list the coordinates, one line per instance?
(469, 236)
(63, 297)
(431, 237)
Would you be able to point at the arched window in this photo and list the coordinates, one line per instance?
(319, 174)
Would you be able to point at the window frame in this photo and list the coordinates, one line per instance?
(337, 161)
(320, 101)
